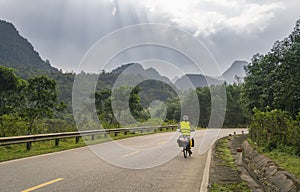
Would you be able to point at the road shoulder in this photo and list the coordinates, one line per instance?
(224, 174)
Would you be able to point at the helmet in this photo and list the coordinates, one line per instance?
(185, 118)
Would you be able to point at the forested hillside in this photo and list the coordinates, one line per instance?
(271, 92)
(16, 52)
(36, 98)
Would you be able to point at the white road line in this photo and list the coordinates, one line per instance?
(204, 183)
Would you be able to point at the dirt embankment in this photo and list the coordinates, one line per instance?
(260, 172)
(267, 173)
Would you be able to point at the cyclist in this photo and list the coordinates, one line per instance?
(185, 129)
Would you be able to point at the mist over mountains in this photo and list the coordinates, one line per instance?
(18, 53)
(236, 70)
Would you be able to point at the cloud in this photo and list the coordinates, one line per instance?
(206, 17)
(63, 31)
(253, 17)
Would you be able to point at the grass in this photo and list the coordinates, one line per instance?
(224, 153)
(282, 157)
(290, 163)
(17, 151)
(233, 187)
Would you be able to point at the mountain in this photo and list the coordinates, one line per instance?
(196, 80)
(153, 85)
(235, 70)
(139, 72)
(16, 52)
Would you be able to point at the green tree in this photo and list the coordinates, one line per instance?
(287, 75)
(236, 114)
(205, 105)
(273, 79)
(173, 109)
(10, 84)
(135, 106)
(126, 103)
(8, 79)
(104, 108)
(40, 100)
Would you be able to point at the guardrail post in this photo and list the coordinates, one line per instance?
(116, 134)
(243, 132)
(105, 135)
(125, 133)
(234, 133)
(56, 142)
(160, 129)
(77, 139)
(28, 146)
(93, 137)
(141, 131)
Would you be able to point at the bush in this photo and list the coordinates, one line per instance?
(275, 130)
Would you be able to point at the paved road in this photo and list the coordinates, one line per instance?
(82, 170)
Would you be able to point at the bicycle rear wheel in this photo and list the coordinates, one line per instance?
(185, 152)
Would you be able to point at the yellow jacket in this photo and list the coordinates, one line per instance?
(185, 128)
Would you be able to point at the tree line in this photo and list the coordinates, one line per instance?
(32, 106)
(24, 102)
(236, 114)
(271, 92)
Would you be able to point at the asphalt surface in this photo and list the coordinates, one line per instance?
(145, 163)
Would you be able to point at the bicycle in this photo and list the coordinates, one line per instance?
(185, 143)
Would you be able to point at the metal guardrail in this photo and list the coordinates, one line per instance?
(28, 139)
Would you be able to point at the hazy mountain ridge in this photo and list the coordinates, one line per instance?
(236, 69)
(138, 70)
(198, 80)
(189, 81)
(17, 52)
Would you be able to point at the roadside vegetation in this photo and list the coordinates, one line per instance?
(271, 93)
(286, 160)
(283, 156)
(230, 187)
(225, 164)
(224, 154)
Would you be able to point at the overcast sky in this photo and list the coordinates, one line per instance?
(64, 30)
